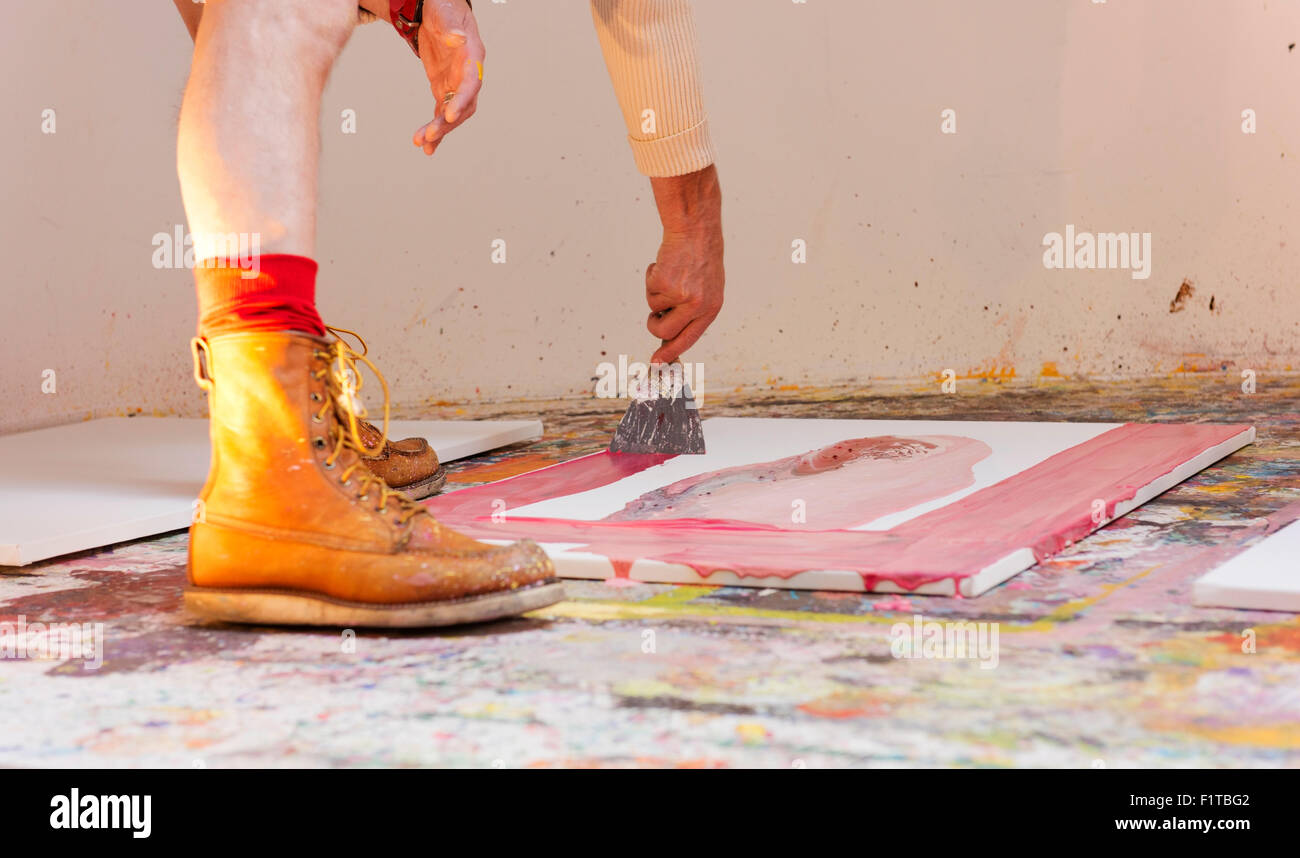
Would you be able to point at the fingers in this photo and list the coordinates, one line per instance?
(451, 78)
(669, 305)
(452, 55)
(679, 314)
(468, 81)
(431, 134)
(661, 292)
(427, 133)
(656, 293)
(667, 324)
(677, 346)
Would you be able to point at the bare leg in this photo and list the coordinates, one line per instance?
(249, 131)
(292, 526)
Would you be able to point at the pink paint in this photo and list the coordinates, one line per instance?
(836, 487)
(1043, 508)
(893, 603)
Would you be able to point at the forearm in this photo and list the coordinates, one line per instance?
(690, 204)
(650, 52)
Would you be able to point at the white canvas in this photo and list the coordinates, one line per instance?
(1015, 449)
(87, 485)
(1264, 577)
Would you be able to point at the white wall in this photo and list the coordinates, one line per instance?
(924, 248)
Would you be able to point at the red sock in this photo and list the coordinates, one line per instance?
(281, 297)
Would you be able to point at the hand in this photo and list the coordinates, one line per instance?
(684, 284)
(452, 53)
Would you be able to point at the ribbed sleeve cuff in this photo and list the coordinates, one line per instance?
(684, 152)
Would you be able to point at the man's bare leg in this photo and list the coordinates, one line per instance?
(410, 464)
(249, 140)
(291, 527)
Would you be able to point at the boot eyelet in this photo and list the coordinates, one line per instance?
(364, 498)
(315, 397)
(319, 442)
(315, 418)
(329, 466)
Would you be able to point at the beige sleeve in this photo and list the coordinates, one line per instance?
(651, 53)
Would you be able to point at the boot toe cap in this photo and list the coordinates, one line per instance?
(518, 564)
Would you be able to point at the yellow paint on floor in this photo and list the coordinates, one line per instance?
(1069, 609)
(677, 603)
(1265, 736)
(677, 596)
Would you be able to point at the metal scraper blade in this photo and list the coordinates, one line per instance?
(661, 424)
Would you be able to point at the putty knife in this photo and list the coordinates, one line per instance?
(659, 420)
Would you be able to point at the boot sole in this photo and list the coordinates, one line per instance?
(299, 608)
(425, 488)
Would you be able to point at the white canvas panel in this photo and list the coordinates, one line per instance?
(87, 485)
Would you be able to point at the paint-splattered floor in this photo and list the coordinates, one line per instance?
(1103, 660)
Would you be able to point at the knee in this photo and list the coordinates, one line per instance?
(316, 29)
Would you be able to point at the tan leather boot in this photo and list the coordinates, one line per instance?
(292, 529)
(410, 465)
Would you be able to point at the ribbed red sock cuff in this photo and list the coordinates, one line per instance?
(278, 295)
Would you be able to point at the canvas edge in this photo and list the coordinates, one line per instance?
(1182, 472)
(97, 539)
(1215, 595)
(584, 565)
(1218, 589)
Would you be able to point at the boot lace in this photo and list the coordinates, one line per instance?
(343, 383)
